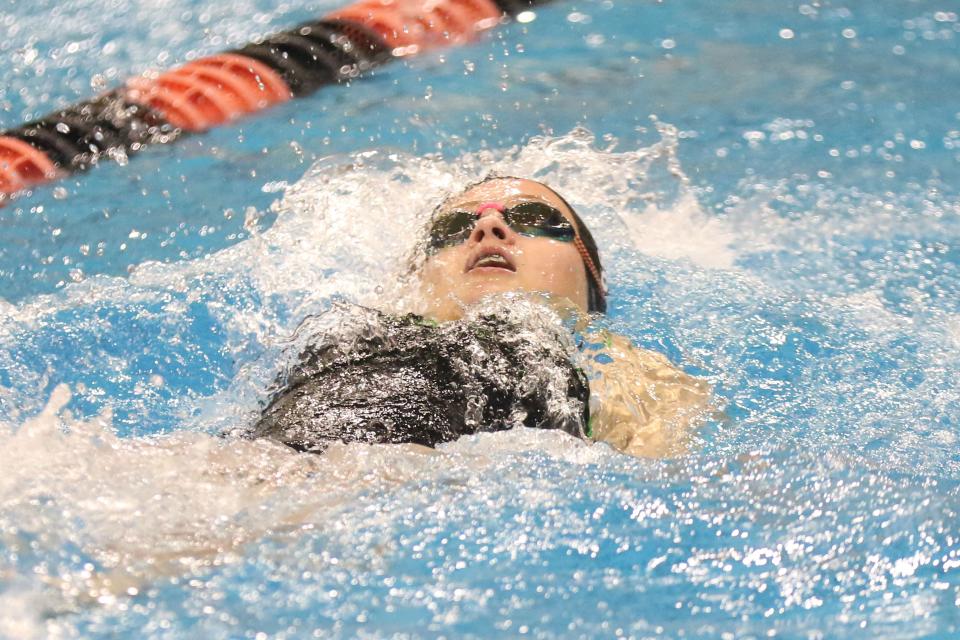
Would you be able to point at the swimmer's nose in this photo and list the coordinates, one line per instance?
(491, 225)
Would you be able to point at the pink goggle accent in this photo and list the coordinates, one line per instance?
(490, 205)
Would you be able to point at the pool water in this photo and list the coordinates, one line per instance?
(774, 186)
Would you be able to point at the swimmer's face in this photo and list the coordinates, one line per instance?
(494, 258)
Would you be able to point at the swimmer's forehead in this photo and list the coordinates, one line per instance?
(506, 191)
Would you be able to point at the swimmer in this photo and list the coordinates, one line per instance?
(486, 350)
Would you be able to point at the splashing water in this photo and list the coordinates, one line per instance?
(823, 504)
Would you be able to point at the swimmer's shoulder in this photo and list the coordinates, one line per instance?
(642, 403)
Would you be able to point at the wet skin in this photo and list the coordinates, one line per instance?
(496, 259)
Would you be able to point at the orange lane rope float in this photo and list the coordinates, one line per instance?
(217, 89)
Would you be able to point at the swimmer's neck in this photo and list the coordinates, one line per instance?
(451, 310)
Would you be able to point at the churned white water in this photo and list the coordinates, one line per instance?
(105, 516)
(792, 239)
(824, 497)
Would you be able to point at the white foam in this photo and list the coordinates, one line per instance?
(147, 507)
(683, 231)
(20, 613)
(144, 508)
(953, 331)
(871, 313)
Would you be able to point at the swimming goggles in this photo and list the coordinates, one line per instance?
(530, 218)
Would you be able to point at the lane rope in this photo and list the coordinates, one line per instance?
(158, 108)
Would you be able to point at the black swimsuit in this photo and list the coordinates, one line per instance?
(390, 379)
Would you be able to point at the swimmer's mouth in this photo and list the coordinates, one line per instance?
(491, 258)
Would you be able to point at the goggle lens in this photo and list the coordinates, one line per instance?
(532, 219)
(538, 219)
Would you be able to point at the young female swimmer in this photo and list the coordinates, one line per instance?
(471, 361)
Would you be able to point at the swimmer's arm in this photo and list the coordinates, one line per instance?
(642, 403)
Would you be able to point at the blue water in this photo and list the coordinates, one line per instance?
(775, 188)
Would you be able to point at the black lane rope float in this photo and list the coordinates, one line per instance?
(211, 91)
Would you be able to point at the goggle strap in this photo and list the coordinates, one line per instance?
(588, 261)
